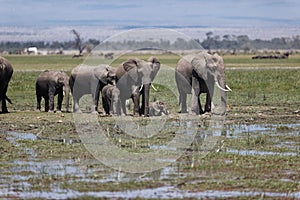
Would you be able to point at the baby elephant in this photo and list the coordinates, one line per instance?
(111, 100)
(49, 84)
(158, 108)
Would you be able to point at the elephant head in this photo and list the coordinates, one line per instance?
(137, 76)
(158, 108)
(106, 75)
(211, 69)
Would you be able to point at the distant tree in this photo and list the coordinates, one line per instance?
(226, 37)
(78, 42)
(209, 34)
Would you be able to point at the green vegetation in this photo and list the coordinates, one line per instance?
(262, 94)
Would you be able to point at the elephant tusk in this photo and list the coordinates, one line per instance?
(141, 88)
(225, 90)
(153, 88)
(227, 87)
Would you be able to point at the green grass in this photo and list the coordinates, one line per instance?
(263, 87)
(42, 62)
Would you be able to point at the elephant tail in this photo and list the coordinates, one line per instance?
(8, 99)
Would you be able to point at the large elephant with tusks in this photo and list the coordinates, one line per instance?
(6, 72)
(134, 78)
(196, 74)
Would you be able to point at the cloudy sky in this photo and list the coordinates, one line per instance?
(214, 13)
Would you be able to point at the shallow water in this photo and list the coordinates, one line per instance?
(17, 181)
(260, 153)
(167, 192)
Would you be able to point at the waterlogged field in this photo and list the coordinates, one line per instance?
(253, 152)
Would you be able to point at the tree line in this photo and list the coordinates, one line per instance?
(226, 42)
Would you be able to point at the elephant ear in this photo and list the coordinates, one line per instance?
(218, 60)
(155, 65)
(104, 73)
(130, 64)
(200, 67)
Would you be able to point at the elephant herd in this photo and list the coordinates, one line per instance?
(194, 74)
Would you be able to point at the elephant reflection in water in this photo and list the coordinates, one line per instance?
(196, 74)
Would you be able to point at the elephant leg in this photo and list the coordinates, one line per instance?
(136, 102)
(208, 103)
(59, 100)
(46, 104)
(183, 96)
(95, 102)
(209, 97)
(142, 108)
(111, 107)
(123, 107)
(4, 107)
(51, 100)
(38, 103)
(105, 105)
(196, 107)
(76, 107)
(145, 100)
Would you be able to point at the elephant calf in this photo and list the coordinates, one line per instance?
(158, 108)
(49, 84)
(6, 72)
(111, 100)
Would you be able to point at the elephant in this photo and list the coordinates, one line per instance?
(158, 108)
(49, 84)
(134, 77)
(111, 100)
(6, 72)
(90, 80)
(197, 74)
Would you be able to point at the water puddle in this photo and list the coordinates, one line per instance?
(16, 181)
(270, 129)
(260, 153)
(166, 192)
(13, 137)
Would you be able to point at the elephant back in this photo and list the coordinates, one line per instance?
(5, 67)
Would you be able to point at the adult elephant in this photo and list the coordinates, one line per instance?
(50, 84)
(198, 74)
(134, 77)
(6, 72)
(90, 80)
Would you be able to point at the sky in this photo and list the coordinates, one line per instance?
(150, 13)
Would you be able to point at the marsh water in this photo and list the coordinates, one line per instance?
(24, 177)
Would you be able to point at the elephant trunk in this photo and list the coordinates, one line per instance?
(146, 99)
(222, 86)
